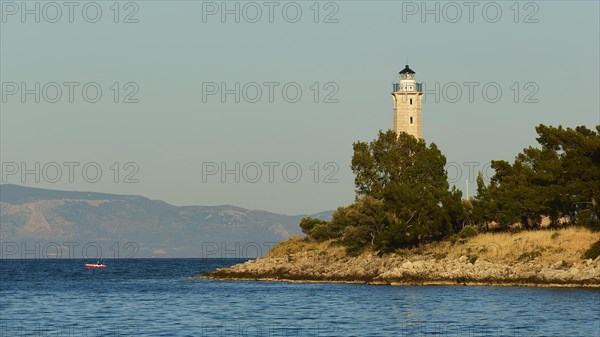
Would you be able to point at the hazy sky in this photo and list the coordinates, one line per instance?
(172, 133)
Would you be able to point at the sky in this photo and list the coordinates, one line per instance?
(257, 104)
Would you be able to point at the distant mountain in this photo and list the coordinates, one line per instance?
(37, 222)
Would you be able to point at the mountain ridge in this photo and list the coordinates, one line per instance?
(159, 229)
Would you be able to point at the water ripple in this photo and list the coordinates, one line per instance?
(156, 298)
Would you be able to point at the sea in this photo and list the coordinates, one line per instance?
(159, 297)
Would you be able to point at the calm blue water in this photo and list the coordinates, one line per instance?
(151, 297)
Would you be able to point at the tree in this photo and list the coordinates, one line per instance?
(410, 179)
(396, 158)
(316, 228)
(402, 197)
(361, 222)
(554, 180)
(483, 209)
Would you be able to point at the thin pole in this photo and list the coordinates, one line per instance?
(467, 183)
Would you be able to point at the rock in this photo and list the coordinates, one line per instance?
(393, 268)
(407, 265)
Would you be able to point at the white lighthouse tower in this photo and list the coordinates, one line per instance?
(407, 104)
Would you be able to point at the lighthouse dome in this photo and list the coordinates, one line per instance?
(407, 70)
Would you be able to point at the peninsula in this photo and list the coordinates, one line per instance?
(551, 258)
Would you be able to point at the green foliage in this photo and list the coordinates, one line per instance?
(454, 238)
(556, 180)
(410, 180)
(308, 223)
(529, 256)
(593, 252)
(322, 232)
(316, 228)
(440, 256)
(588, 219)
(403, 197)
(396, 158)
(482, 207)
(468, 231)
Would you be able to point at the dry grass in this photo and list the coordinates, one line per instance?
(544, 245)
(296, 244)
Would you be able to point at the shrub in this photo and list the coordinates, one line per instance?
(593, 252)
(321, 232)
(468, 231)
(307, 224)
(528, 256)
(455, 238)
(473, 258)
(588, 219)
(355, 250)
(355, 236)
(441, 255)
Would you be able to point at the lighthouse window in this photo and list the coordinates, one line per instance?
(411, 101)
(411, 120)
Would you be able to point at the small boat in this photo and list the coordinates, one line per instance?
(95, 265)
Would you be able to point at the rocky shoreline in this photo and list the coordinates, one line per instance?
(332, 264)
(394, 270)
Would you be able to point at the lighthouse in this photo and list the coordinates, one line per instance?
(407, 104)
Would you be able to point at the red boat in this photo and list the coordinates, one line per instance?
(95, 265)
